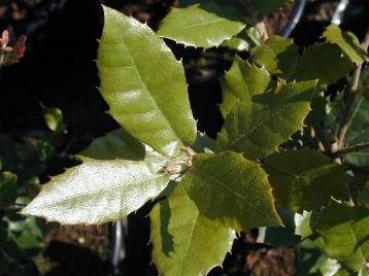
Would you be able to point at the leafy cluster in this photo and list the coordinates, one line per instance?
(254, 174)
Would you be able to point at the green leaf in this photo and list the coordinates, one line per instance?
(26, 233)
(348, 42)
(116, 178)
(237, 44)
(326, 266)
(358, 132)
(244, 41)
(205, 25)
(204, 143)
(296, 227)
(149, 99)
(8, 187)
(242, 82)
(231, 189)
(258, 126)
(180, 235)
(317, 62)
(54, 118)
(257, 9)
(254, 10)
(305, 179)
(278, 237)
(344, 235)
(281, 57)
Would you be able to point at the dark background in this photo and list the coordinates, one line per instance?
(59, 70)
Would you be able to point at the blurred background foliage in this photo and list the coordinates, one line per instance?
(50, 109)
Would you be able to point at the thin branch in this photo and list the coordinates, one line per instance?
(351, 149)
(322, 146)
(351, 95)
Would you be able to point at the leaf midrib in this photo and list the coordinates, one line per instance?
(203, 24)
(118, 186)
(232, 192)
(133, 62)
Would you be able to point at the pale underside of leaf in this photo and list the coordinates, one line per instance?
(144, 84)
(202, 25)
(231, 189)
(114, 180)
(180, 236)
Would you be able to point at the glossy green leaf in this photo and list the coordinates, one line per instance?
(242, 82)
(149, 99)
(305, 179)
(344, 235)
(116, 178)
(228, 188)
(254, 10)
(281, 57)
(180, 236)
(237, 44)
(205, 25)
(54, 118)
(244, 41)
(317, 62)
(348, 42)
(257, 127)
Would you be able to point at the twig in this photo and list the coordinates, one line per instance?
(350, 149)
(352, 92)
(320, 142)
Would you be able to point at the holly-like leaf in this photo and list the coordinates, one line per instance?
(180, 235)
(242, 82)
(116, 178)
(348, 42)
(358, 132)
(149, 99)
(228, 188)
(205, 25)
(281, 57)
(317, 62)
(306, 183)
(258, 126)
(344, 235)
